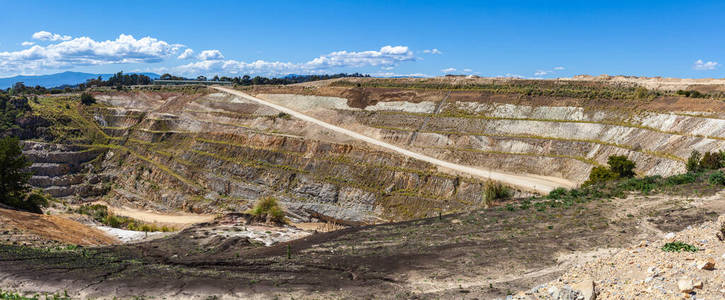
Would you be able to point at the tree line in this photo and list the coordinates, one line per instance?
(259, 80)
(120, 80)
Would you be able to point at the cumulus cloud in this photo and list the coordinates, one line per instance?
(188, 53)
(84, 51)
(448, 70)
(26, 44)
(558, 68)
(705, 66)
(467, 70)
(387, 56)
(211, 55)
(432, 51)
(47, 36)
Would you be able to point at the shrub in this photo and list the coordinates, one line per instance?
(641, 93)
(717, 178)
(268, 209)
(87, 99)
(693, 162)
(711, 161)
(494, 191)
(681, 179)
(600, 174)
(557, 193)
(678, 247)
(692, 94)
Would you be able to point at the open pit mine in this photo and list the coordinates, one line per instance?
(357, 188)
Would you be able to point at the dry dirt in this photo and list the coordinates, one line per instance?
(176, 220)
(38, 227)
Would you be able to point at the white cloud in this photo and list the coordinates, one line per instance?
(84, 51)
(188, 53)
(558, 68)
(542, 73)
(432, 51)
(47, 36)
(26, 44)
(388, 68)
(391, 74)
(467, 70)
(510, 75)
(705, 66)
(211, 55)
(387, 56)
(448, 70)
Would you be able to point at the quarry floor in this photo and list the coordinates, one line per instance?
(483, 254)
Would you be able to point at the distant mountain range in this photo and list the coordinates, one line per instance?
(58, 79)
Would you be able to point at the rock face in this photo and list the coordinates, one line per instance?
(62, 170)
(214, 153)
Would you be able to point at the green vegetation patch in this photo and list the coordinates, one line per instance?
(267, 209)
(7, 295)
(678, 247)
(573, 89)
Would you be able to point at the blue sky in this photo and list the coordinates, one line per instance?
(384, 38)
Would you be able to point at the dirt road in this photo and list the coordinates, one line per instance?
(176, 220)
(541, 184)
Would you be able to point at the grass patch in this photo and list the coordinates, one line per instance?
(100, 213)
(7, 295)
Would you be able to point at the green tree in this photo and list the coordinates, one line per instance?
(623, 167)
(87, 99)
(711, 161)
(693, 162)
(601, 174)
(14, 177)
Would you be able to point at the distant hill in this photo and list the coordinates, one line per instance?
(58, 79)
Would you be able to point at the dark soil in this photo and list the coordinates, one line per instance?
(361, 262)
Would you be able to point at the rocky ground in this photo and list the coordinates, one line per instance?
(646, 271)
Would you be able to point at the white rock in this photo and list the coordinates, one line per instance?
(586, 289)
(708, 264)
(685, 285)
(670, 235)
